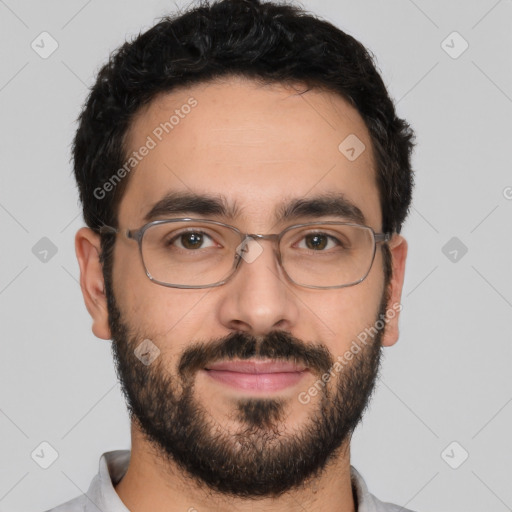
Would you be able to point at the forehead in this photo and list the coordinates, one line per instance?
(254, 147)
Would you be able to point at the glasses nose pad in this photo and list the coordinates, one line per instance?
(248, 250)
(240, 250)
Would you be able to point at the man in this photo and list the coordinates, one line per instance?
(247, 360)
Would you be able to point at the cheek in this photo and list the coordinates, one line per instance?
(167, 316)
(348, 311)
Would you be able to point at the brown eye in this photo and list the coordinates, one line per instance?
(319, 242)
(316, 242)
(191, 240)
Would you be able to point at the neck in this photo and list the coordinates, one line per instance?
(153, 483)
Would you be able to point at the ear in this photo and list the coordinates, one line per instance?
(88, 250)
(398, 247)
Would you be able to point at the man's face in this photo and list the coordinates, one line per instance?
(257, 148)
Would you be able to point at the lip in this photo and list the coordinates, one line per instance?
(254, 376)
(257, 366)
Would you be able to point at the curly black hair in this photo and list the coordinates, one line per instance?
(265, 41)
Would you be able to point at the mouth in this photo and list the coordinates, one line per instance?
(256, 375)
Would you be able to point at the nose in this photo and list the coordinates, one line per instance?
(259, 298)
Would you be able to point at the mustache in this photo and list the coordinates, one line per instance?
(276, 345)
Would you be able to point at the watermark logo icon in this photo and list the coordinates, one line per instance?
(44, 45)
(454, 249)
(249, 250)
(44, 250)
(44, 455)
(352, 147)
(147, 352)
(454, 45)
(454, 455)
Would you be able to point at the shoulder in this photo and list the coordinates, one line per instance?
(77, 504)
(367, 502)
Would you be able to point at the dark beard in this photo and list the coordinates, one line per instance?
(256, 460)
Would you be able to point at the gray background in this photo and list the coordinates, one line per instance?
(448, 378)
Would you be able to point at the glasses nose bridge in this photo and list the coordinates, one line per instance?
(272, 237)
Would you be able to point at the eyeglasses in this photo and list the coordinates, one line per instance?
(199, 253)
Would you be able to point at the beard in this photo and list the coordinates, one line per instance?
(258, 459)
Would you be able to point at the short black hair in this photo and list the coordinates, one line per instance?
(266, 41)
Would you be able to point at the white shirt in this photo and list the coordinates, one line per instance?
(102, 497)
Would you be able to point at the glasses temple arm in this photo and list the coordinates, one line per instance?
(383, 237)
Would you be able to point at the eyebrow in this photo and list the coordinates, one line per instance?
(188, 203)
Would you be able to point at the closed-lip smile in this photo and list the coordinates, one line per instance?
(256, 375)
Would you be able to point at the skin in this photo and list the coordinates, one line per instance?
(257, 145)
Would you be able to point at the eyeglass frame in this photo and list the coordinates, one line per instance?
(137, 235)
